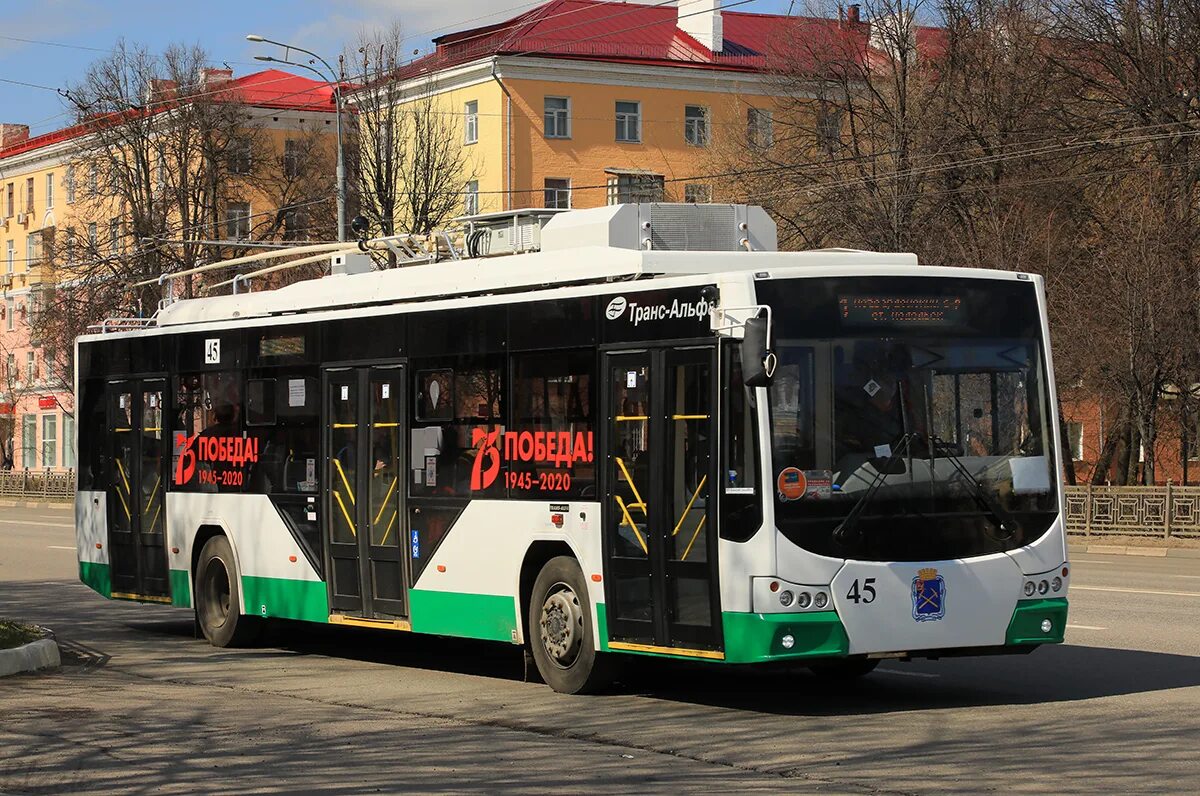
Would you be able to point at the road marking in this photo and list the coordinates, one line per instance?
(908, 674)
(1085, 627)
(1137, 591)
(31, 522)
(58, 547)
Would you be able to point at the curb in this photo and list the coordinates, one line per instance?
(1145, 552)
(40, 654)
(36, 504)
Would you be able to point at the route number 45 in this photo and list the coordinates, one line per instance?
(864, 593)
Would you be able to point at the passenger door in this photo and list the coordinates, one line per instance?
(364, 493)
(659, 516)
(136, 518)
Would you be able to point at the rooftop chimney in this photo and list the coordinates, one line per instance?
(701, 19)
(13, 134)
(853, 13)
(210, 76)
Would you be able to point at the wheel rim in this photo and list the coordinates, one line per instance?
(217, 592)
(562, 625)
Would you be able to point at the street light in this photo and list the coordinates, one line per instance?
(334, 81)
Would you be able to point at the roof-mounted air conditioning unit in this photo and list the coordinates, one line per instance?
(662, 226)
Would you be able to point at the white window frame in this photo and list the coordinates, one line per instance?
(10, 322)
(696, 128)
(93, 236)
(28, 446)
(49, 424)
(471, 122)
(557, 190)
(234, 219)
(69, 184)
(702, 187)
(625, 118)
(30, 364)
(29, 195)
(68, 442)
(760, 135)
(655, 192)
(560, 116)
(471, 198)
(10, 256)
(50, 191)
(114, 236)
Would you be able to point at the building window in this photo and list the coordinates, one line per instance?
(30, 365)
(10, 255)
(471, 122)
(629, 122)
(760, 128)
(69, 184)
(29, 441)
(160, 171)
(291, 158)
(9, 193)
(471, 198)
(114, 236)
(29, 195)
(93, 180)
(1075, 440)
(50, 191)
(93, 236)
(240, 158)
(237, 221)
(558, 117)
(32, 249)
(829, 128)
(49, 440)
(11, 364)
(68, 441)
(697, 193)
(627, 188)
(695, 125)
(295, 223)
(553, 396)
(72, 243)
(10, 311)
(558, 193)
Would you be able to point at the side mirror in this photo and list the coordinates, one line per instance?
(758, 360)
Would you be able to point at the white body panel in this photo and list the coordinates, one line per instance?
(91, 527)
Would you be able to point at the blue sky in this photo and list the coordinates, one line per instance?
(219, 26)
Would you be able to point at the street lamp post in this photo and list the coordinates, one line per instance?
(334, 80)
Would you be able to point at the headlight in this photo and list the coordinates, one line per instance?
(1043, 587)
(1047, 625)
(788, 641)
(785, 598)
(821, 600)
(1029, 588)
(804, 600)
(1056, 584)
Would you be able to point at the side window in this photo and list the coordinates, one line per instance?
(210, 451)
(550, 449)
(741, 493)
(457, 428)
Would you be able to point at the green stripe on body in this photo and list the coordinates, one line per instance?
(1026, 624)
(96, 576)
(306, 600)
(489, 617)
(181, 588)
(758, 638)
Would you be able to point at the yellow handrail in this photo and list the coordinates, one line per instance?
(349, 492)
(632, 524)
(338, 496)
(688, 507)
(694, 535)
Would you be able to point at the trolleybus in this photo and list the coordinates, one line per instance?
(652, 435)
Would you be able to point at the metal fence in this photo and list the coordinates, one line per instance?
(41, 484)
(1159, 511)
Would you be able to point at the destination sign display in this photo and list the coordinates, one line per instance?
(881, 309)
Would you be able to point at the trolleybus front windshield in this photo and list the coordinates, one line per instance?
(909, 416)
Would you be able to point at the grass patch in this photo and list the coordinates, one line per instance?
(16, 635)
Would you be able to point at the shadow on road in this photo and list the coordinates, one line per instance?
(1050, 674)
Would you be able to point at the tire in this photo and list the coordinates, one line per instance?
(562, 632)
(844, 669)
(218, 597)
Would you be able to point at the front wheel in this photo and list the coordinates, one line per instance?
(561, 631)
(218, 598)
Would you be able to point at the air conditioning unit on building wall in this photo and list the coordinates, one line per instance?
(6, 281)
(22, 217)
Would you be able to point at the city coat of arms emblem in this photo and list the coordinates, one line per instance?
(928, 595)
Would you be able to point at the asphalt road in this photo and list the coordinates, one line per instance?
(144, 707)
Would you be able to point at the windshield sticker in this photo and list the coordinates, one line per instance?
(791, 483)
(928, 595)
(820, 484)
(872, 387)
(883, 451)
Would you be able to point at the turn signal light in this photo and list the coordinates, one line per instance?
(785, 598)
(1056, 584)
(1030, 588)
(821, 600)
(1043, 587)
(804, 600)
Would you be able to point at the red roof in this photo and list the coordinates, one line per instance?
(271, 88)
(623, 32)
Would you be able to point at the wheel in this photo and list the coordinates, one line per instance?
(844, 668)
(561, 630)
(218, 598)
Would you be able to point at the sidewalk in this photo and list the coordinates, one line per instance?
(18, 503)
(1133, 550)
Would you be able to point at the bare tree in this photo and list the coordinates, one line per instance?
(409, 157)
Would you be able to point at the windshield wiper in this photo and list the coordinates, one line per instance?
(1005, 522)
(847, 525)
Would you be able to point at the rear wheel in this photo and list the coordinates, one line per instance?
(844, 669)
(218, 599)
(561, 631)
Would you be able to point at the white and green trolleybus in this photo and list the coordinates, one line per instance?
(652, 435)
